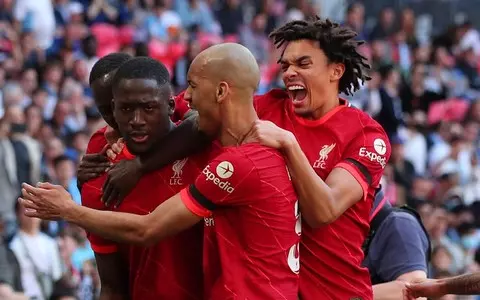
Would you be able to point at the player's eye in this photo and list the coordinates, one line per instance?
(126, 109)
(148, 108)
(284, 67)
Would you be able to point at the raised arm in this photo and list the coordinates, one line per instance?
(181, 142)
(49, 201)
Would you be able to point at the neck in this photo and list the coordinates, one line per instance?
(237, 124)
(30, 230)
(330, 103)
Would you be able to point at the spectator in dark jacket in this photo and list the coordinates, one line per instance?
(390, 115)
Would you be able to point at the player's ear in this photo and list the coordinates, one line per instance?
(222, 91)
(171, 105)
(337, 70)
(112, 104)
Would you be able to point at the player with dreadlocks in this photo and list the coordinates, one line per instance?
(336, 154)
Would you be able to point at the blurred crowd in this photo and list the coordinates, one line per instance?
(425, 92)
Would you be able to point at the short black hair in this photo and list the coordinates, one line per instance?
(338, 43)
(108, 64)
(142, 68)
(60, 159)
(385, 70)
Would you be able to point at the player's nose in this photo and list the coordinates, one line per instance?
(289, 73)
(137, 119)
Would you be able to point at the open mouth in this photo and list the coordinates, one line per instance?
(139, 137)
(297, 93)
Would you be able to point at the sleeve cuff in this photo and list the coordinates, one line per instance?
(193, 205)
(357, 175)
(104, 249)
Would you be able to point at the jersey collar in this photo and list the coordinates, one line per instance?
(313, 123)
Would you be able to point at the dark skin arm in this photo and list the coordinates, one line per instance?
(468, 284)
(92, 166)
(113, 276)
(183, 141)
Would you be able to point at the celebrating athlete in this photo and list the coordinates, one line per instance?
(143, 104)
(252, 224)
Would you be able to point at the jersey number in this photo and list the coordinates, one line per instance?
(293, 259)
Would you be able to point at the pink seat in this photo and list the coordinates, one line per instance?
(126, 34)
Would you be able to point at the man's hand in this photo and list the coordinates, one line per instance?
(92, 166)
(46, 201)
(111, 135)
(429, 288)
(115, 149)
(121, 179)
(270, 135)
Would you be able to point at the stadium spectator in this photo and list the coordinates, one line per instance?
(38, 257)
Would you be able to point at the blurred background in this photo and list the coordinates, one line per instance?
(425, 92)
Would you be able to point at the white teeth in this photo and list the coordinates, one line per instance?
(295, 88)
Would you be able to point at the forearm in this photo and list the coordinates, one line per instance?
(392, 290)
(468, 284)
(186, 140)
(115, 226)
(315, 195)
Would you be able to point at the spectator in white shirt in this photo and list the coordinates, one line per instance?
(38, 257)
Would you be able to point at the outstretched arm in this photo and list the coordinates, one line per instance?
(49, 201)
(468, 284)
(181, 142)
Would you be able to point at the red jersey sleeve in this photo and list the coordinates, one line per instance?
(91, 196)
(227, 180)
(366, 156)
(181, 107)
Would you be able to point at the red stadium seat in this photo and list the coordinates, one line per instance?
(126, 34)
(107, 37)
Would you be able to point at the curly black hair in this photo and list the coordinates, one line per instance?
(336, 41)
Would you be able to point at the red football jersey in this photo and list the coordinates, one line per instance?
(97, 141)
(331, 256)
(171, 269)
(251, 239)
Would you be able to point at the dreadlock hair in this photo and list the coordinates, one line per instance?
(108, 64)
(336, 41)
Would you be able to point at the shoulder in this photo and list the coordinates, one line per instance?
(402, 224)
(97, 141)
(256, 154)
(243, 160)
(15, 243)
(47, 239)
(362, 129)
(273, 98)
(358, 117)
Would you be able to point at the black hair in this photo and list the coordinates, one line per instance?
(60, 159)
(385, 70)
(338, 43)
(108, 64)
(62, 289)
(142, 68)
